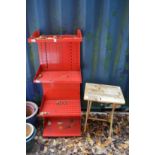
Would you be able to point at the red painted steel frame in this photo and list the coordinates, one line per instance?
(60, 75)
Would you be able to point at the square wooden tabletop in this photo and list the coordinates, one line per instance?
(103, 93)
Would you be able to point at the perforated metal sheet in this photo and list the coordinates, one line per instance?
(58, 52)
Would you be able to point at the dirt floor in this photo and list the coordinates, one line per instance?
(93, 142)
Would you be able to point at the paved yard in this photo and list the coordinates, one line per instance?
(93, 142)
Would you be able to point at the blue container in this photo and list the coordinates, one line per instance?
(30, 139)
(31, 113)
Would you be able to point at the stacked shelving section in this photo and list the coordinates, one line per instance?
(60, 75)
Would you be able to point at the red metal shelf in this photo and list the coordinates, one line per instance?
(60, 108)
(60, 75)
(62, 127)
(44, 76)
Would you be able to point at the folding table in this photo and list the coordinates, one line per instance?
(102, 93)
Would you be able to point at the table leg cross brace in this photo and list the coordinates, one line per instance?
(89, 104)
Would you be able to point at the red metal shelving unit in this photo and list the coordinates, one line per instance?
(60, 75)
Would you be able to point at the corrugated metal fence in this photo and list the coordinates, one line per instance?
(105, 46)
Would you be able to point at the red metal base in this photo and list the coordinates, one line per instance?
(62, 118)
(62, 127)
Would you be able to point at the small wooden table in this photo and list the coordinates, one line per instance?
(102, 94)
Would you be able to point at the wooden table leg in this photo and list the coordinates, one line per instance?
(87, 113)
(90, 103)
(111, 120)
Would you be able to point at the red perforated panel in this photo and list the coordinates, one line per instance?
(58, 52)
(42, 54)
(61, 91)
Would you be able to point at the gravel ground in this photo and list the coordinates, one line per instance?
(93, 142)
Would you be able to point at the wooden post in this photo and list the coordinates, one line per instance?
(111, 120)
(87, 113)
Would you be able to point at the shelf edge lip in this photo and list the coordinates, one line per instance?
(77, 114)
(36, 80)
(36, 37)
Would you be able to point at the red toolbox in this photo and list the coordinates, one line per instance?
(60, 76)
